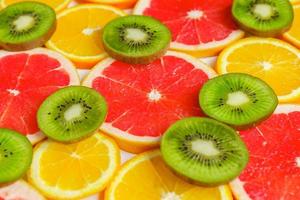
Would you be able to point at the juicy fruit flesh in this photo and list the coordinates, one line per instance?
(194, 23)
(26, 22)
(15, 155)
(237, 99)
(263, 18)
(272, 172)
(156, 182)
(152, 96)
(72, 113)
(204, 150)
(26, 81)
(271, 60)
(136, 36)
(23, 23)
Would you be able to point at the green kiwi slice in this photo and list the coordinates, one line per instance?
(267, 18)
(72, 113)
(26, 25)
(204, 151)
(238, 99)
(136, 39)
(15, 155)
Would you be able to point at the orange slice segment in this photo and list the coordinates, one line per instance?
(68, 171)
(293, 35)
(78, 30)
(57, 5)
(147, 177)
(272, 60)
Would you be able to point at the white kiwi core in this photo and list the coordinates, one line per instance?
(206, 148)
(263, 10)
(23, 22)
(135, 34)
(237, 99)
(73, 112)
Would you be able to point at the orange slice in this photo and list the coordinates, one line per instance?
(72, 171)
(117, 3)
(57, 5)
(293, 35)
(78, 30)
(147, 177)
(272, 60)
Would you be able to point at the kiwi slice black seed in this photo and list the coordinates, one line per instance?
(15, 155)
(26, 25)
(204, 150)
(267, 18)
(238, 99)
(72, 113)
(136, 39)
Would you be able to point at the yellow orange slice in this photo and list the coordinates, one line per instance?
(293, 35)
(68, 171)
(117, 3)
(272, 60)
(78, 30)
(147, 177)
(57, 5)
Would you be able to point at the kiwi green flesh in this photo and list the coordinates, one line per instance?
(26, 25)
(72, 113)
(238, 99)
(267, 18)
(136, 39)
(204, 151)
(15, 155)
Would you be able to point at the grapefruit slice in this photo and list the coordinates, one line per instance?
(200, 28)
(274, 168)
(144, 100)
(27, 78)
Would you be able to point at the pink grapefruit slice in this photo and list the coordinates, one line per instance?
(27, 78)
(273, 172)
(144, 100)
(201, 28)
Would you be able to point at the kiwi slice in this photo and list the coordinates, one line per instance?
(15, 155)
(267, 18)
(136, 39)
(72, 113)
(238, 99)
(204, 151)
(26, 25)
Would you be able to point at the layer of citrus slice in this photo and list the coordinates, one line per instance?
(57, 5)
(201, 28)
(78, 30)
(147, 177)
(19, 190)
(27, 79)
(144, 100)
(272, 60)
(69, 171)
(274, 168)
(117, 3)
(293, 35)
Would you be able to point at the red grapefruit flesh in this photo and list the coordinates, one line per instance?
(27, 78)
(273, 172)
(144, 100)
(199, 27)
